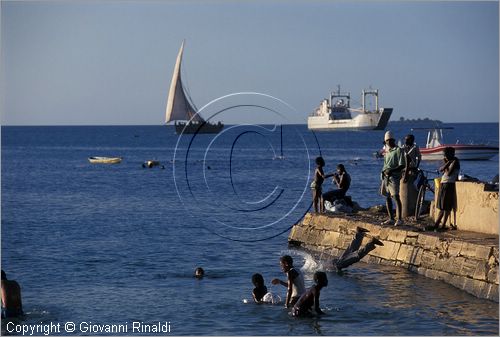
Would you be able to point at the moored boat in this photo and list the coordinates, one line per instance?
(434, 149)
(105, 160)
(336, 114)
(151, 164)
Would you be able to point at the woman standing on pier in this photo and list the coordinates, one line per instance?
(447, 193)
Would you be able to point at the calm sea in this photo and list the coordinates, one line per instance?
(118, 244)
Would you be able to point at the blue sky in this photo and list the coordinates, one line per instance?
(111, 62)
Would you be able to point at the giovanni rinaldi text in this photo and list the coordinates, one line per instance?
(87, 327)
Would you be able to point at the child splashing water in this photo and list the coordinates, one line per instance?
(260, 293)
(260, 289)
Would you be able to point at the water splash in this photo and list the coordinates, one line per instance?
(271, 298)
(306, 262)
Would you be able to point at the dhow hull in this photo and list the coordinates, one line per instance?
(192, 128)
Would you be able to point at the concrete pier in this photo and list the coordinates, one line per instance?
(464, 259)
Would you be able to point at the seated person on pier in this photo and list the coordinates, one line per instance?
(354, 253)
(343, 181)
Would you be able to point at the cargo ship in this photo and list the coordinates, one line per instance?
(336, 114)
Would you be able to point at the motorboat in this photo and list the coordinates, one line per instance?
(434, 149)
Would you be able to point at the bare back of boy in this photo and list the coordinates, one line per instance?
(11, 299)
(306, 302)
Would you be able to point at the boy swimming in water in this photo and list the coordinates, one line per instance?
(199, 273)
(310, 298)
(260, 289)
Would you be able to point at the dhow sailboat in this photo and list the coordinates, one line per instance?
(181, 109)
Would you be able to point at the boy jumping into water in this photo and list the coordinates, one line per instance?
(311, 297)
(295, 281)
(354, 253)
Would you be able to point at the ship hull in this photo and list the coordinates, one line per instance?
(203, 127)
(361, 122)
(462, 152)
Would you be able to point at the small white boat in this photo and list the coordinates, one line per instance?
(434, 149)
(105, 160)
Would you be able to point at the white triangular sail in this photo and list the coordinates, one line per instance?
(178, 105)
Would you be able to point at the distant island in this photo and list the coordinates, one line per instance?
(421, 122)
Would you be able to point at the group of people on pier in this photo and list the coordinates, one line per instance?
(401, 166)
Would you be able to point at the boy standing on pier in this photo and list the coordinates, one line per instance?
(316, 185)
(413, 155)
(394, 164)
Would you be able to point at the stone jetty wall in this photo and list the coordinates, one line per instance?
(477, 208)
(466, 260)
